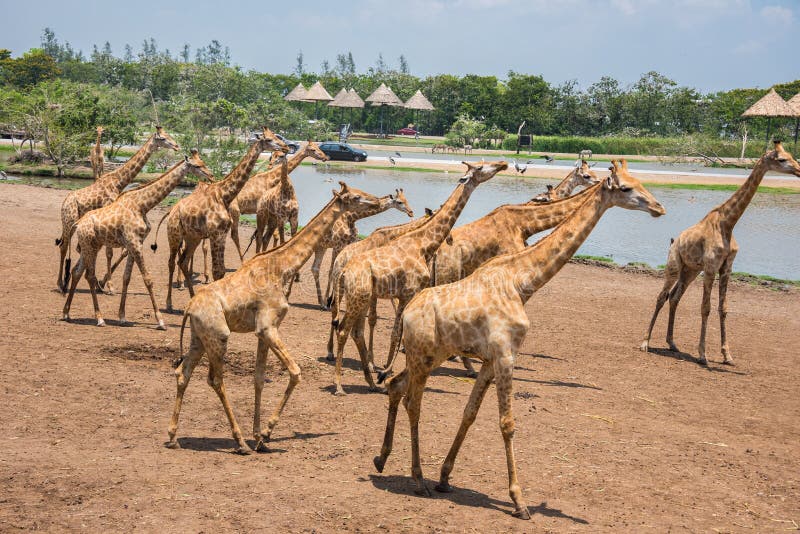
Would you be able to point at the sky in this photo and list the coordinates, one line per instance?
(711, 45)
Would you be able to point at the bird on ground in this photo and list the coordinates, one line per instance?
(392, 161)
(548, 159)
(328, 179)
(3, 175)
(520, 168)
(398, 154)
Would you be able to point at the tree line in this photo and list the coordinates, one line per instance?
(200, 92)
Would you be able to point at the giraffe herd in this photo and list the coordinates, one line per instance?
(457, 291)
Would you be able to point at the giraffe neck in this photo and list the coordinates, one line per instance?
(534, 266)
(97, 143)
(120, 178)
(295, 252)
(734, 207)
(384, 203)
(567, 185)
(230, 186)
(532, 218)
(271, 177)
(149, 196)
(432, 234)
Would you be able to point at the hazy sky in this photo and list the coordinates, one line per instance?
(707, 44)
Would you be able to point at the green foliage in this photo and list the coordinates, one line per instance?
(33, 67)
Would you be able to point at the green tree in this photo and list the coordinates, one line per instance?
(33, 67)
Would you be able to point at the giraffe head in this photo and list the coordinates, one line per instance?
(779, 160)
(545, 197)
(585, 176)
(197, 166)
(354, 200)
(163, 140)
(485, 170)
(400, 202)
(100, 130)
(627, 192)
(312, 150)
(269, 141)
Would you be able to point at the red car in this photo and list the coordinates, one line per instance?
(407, 131)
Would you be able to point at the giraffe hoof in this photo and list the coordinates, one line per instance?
(379, 463)
(172, 444)
(423, 491)
(243, 450)
(261, 447)
(101, 322)
(521, 513)
(703, 362)
(673, 347)
(443, 487)
(330, 357)
(65, 317)
(645, 346)
(728, 362)
(161, 326)
(340, 392)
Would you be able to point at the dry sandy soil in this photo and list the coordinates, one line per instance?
(609, 439)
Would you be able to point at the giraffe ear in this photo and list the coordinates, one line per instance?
(608, 183)
(195, 152)
(428, 212)
(185, 158)
(549, 187)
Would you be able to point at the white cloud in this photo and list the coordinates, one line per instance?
(778, 15)
(750, 48)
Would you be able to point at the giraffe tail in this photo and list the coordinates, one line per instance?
(383, 375)
(154, 244)
(179, 359)
(252, 238)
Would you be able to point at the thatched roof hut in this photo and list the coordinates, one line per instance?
(384, 96)
(298, 94)
(317, 93)
(418, 101)
(770, 105)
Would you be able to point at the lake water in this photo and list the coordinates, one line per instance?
(768, 233)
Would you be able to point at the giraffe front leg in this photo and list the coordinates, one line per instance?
(482, 383)
(705, 310)
(258, 376)
(503, 370)
(413, 404)
(94, 286)
(319, 255)
(218, 256)
(215, 353)
(205, 261)
(77, 272)
(183, 372)
(270, 337)
(396, 387)
(724, 278)
(126, 279)
(135, 250)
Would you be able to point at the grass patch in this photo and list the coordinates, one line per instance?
(603, 259)
(763, 279)
(724, 187)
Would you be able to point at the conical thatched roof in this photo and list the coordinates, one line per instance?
(317, 93)
(795, 103)
(297, 94)
(418, 101)
(384, 96)
(339, 98)
(353, 100)
(770, 105)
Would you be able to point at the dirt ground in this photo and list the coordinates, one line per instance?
(609, 439)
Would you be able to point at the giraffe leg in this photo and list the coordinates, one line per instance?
(319, 255)
(467, 363)
(334, 253)
(77, 272)
(413, 402)
(260, 373)
(205, 261)
(671, 273)
(173, 253)
(504, 368)
(684, 279)
(110, 272)
(358, 337)
(215, 353)
(396, 387)
(67, 229)
(235, 239)
(373, 320)
(186, 256)
(347, 323)
(91, 278)
(126, 279)
(705, 309)
(331, 331)
(105, 285)
(183, 372)
(724, 278)
(258, 235)
(270, 337)
(470, 412)
(218, 256)
(397, 329)
(135, 250)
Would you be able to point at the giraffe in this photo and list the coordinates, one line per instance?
(581, 176)
(277, 206)
(709, 246)
(101, 193)
(504, 230)
(377, 238)
(483, 315)
(123, 223)
(246, 202)
(252, 300)
(344, 232)
(397, 270)
(204, 215)
(96, 156)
